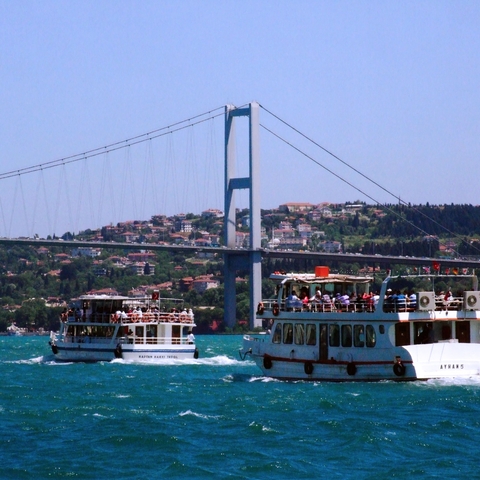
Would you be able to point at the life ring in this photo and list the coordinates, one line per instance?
(267, 362)
(351, 369)
(54, 349)
(276, 309)
(260, 309)
(195, 353)
(399, 369)
(118, 351)
(308, 368)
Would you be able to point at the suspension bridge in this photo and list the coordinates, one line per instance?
(155, 174)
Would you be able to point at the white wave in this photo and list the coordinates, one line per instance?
(264, 379)
(451, 381)
(199, 415)
(262, 427)
(31, 361)
(219, 360)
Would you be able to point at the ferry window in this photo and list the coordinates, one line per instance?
(139, 331)
(402, 334)
(334, 336)
(151, 331)
(358, 335)
(381, 329)
(371, 337)
(311, 334)
(299, 334)
(287, 333)
(346, 335)
(277, 334)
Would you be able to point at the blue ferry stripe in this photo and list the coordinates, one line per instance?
(112, 350)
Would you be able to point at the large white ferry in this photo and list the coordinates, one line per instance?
(367, 336)
(102, 328)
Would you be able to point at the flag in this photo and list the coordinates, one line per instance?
(426, 269)
(455, 271)
(436, 266)
(155, 295)
(447, 271)
(465, 271)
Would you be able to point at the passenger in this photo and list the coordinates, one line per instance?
(345, 299)
(328, 305)
(306, 302)
(412, 300)
(426, 336)
(316, 300)
(342, 301)
(190, 337)
(326, 298)
(447, 299)
(400, 301)
(304, 293)
(389, 301)
(375, 298)
(293, 301)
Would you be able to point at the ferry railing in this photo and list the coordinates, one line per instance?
(156, 317)
(157, 341)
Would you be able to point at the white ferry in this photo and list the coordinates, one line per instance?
(367, 336)
(102, 328)
(13, 330)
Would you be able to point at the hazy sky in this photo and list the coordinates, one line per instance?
(392, 88)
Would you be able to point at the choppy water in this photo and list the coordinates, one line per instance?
(217, 417)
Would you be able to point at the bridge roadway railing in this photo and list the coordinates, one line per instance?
(265, 253)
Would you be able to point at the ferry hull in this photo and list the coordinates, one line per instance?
(419, 362)
(96, 353)
(83, 353)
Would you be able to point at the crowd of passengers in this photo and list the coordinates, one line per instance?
(367, 301)
(130, 314)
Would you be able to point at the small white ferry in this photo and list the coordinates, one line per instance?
(13, 330)
(102, 328)
(347, 332)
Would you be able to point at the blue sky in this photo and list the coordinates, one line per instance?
(389, 87)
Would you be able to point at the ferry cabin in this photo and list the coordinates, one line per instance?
(98, 319)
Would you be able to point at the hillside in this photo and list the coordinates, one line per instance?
(36, 283)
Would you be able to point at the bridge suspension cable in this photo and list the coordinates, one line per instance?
(309, 139)
(144, 137)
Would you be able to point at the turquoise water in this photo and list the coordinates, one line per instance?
(217, 417)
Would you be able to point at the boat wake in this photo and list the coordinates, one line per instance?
(219, 360)
(247, 378)
(451, 382)
(46, 359)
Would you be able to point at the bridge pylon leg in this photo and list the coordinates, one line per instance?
(251, 257)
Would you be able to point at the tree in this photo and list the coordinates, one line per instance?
(68, 272)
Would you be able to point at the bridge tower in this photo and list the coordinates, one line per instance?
(249, 258)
